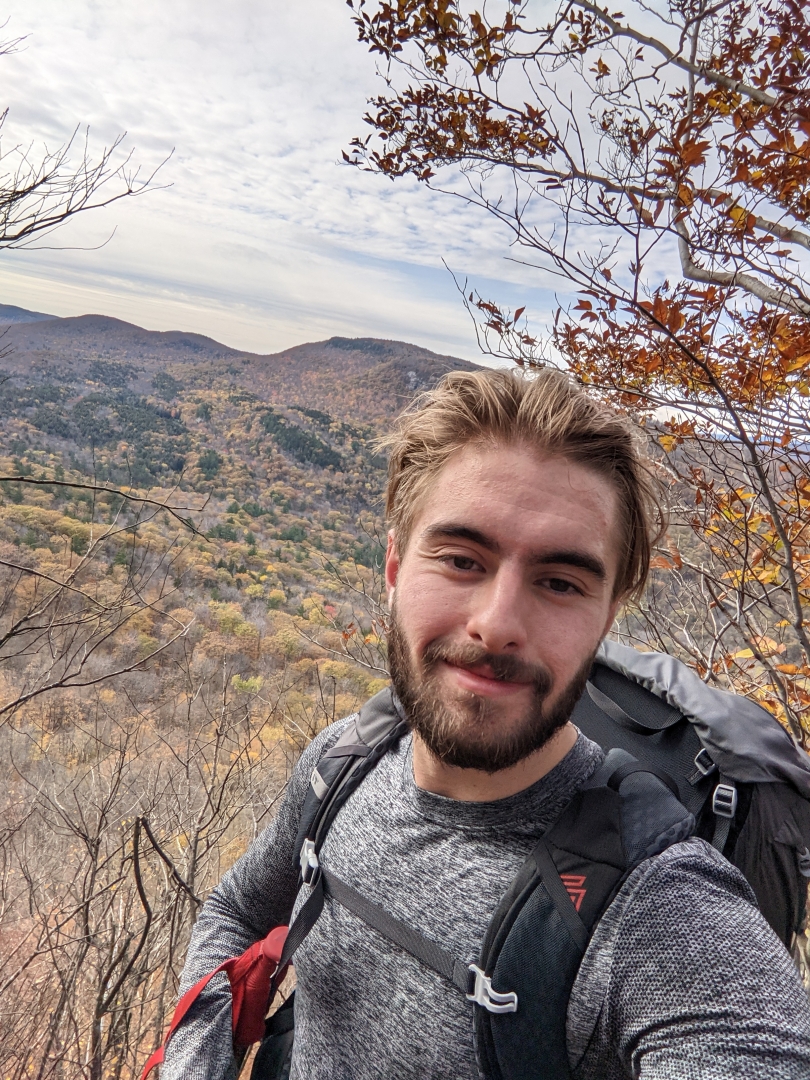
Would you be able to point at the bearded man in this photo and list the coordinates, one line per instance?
(522, 515)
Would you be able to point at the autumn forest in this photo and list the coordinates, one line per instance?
(191, 544)
(191, 535)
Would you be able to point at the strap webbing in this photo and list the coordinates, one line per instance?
(420, 947)
(349, 750)
(613, 710)
(722, 827)
(303, 922)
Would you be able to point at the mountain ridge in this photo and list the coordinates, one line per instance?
(367, 379)
(25, 328)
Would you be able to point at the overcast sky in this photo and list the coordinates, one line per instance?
(263, 240)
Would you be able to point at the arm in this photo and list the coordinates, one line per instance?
(688, 981)
(256, 894)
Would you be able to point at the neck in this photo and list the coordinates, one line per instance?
(473, 785)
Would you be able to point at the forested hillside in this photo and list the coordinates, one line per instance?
(189, 575)
(190, 553)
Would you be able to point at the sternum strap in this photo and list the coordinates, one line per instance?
(422, 948)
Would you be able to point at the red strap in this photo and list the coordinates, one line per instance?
(250, 976)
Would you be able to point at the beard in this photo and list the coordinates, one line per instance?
(467, 731)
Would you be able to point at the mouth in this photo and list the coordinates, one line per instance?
(480, 679)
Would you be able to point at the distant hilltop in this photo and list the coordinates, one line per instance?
(11, 314)
(365, 378)
(101, 394)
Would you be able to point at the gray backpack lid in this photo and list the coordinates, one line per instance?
(743, 739)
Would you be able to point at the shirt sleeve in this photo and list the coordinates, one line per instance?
(256, 894)
(684, 980)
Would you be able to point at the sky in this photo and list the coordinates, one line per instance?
(254, 233)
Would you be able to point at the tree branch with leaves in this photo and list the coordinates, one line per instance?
(656, 161)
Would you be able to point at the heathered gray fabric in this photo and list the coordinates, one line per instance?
(682, 979)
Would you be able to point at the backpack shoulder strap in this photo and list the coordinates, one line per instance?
(537, 937)
(377, 727)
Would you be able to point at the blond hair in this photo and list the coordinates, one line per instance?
(548, 412)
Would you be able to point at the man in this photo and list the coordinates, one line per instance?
(522, 515)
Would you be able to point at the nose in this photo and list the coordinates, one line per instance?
(498, 619)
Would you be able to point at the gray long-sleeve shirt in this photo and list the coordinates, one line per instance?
(682, 979)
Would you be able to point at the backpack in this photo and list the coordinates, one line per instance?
(737, 769)
(682, 758)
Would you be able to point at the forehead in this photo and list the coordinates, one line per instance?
(526, 498)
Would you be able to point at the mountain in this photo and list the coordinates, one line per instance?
(95, 351)
(191, 540)
(190, 553)
(11, 314)
(280, 447)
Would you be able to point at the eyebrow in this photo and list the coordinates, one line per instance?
(563, 557)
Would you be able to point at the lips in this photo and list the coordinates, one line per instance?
(481, 679)
(484, 671)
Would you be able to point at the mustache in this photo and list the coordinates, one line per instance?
(504, 667)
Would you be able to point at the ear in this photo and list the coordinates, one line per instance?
(392, 564)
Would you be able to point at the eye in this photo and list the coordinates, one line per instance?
(561, 586)
(463, 562)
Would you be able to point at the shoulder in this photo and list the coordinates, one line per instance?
(664, 900)
(683, 933)
(686, 886)
(690, 867)
(325, 740)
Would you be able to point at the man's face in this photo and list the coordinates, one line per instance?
(500, 601)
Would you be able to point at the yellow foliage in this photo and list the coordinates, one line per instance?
(287, 642)
(146, 645)
(337, 669)
(182, 615)
(230, 620)
(247, 686)
(768, 647)
(313, 610)
(143, 620)
(376, 685)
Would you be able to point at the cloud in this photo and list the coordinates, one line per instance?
(263, 240)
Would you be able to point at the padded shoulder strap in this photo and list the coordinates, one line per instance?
(539, 933)
(378, 726)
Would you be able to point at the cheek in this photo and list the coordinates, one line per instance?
(563, 644)
(427, 609)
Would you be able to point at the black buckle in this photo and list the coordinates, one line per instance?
(724, 800)
(704, 763)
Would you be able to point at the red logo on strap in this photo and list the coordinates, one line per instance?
(574, 886)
